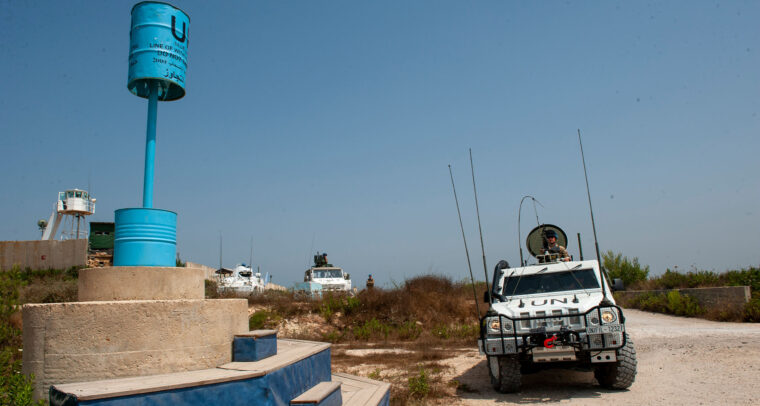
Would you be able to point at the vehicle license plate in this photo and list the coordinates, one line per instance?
(617, 328)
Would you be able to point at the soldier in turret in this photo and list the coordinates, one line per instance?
(553, 248)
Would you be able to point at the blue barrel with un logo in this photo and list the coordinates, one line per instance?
(145, 237)
(158, 50)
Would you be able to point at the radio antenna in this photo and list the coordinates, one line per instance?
(604, 301)
(519, 213)
(466, 251)
(220, 250)
(480, 229)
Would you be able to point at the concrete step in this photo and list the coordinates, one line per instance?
(359, 391)
(323, 394)
(297, 366)
(254, 345)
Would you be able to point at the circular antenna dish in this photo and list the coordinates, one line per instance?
(536, 241)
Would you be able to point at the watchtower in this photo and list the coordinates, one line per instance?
(71, 207)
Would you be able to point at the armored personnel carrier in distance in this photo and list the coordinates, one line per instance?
(324, 277)
(555, 313)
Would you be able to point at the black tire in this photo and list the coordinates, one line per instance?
(508, 378)
(621, 374)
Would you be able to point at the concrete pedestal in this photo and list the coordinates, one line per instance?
(107, 338)
(140, 283)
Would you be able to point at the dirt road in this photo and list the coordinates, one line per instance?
(680, 361)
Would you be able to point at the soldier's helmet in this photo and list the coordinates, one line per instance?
(550, 233)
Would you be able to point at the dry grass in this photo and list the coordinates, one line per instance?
(428, 308)
(416, 376)
(429, 318)
(49, 286)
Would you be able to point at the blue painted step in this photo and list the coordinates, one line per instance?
(273, 381)
(323, 394)
(254, 345)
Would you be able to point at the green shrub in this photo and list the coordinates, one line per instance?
(408, 330)
(263, 319)
(441, 331)
(332, 303)
(752, 310)
(683, 305)
(371, 329)
(15, 387)
(467, 331)
(332, 336)
(419, 385)
(618, 266)
(671, 303)
(374, 374)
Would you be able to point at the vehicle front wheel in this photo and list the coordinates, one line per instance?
(505, 373)
(620, 374)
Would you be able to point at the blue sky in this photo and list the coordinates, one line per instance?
(334, 122)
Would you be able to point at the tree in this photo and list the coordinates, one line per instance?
(618, 266)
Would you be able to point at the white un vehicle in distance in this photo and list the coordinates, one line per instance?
(554, 314)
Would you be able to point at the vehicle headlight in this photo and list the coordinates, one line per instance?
(494, 325)
(608, 316)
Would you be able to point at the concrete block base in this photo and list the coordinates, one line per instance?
(84, 341)
(140, 283)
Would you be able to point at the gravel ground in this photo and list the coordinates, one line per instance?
(680, 361)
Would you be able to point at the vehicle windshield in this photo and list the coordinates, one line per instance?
(550, 282)
(329, 273)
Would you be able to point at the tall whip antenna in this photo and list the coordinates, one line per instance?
(220, 250)
(519, 215)
(593, 225)
(250, 263)
(466, 251)
(480, 229)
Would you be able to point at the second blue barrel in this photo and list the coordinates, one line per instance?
(145, 237)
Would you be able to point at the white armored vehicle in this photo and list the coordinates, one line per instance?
(556, 313)
(243, 279)
(324, 277)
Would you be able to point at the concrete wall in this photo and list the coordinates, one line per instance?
(43, 254)
(208, 271)
(730, 296)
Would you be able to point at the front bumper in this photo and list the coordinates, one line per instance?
(574, 332)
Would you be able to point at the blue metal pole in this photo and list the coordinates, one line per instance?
(150, 145)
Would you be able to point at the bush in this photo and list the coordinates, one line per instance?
(332, 303)
(671, 303)
(263, 319)
(683, 305)
(752, 310)
(419, 385)
(408, 330)
(618, 266)
(15, 388)
(371, 329)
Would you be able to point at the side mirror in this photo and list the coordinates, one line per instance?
(617, 284)
(485, 297)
